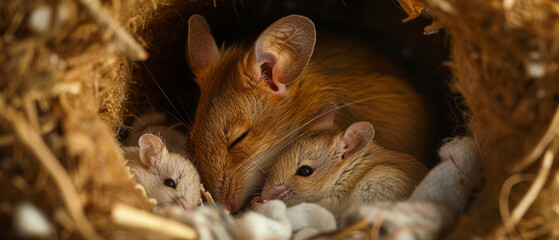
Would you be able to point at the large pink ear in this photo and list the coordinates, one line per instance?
(201, 48)
(355, 137)
(152, 150)
(283, 51)
(324, 117)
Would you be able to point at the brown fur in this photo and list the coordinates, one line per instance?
(370, 175)
(234, 99)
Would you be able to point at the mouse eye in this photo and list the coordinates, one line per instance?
(170, 183)
(240, 138)
(305, 171)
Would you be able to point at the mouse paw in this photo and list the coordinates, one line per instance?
(256, 202)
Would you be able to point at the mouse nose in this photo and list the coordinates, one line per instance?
(184, 204)
(279, 191)
(229, 206)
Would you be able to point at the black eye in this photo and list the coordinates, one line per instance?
(170, 183)
(240, 138)
(304, 171)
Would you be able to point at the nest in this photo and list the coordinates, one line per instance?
(72, 75)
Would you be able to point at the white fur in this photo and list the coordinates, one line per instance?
(309, 215)
(273, 220)
(267, 222)
(438, 200)
(174, 166)
(451, 180)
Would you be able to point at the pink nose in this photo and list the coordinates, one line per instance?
(229, 206)
(279, 192)
(184, 205)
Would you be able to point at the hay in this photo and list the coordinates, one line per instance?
(504, 58)
(67, 87)
(62, 95)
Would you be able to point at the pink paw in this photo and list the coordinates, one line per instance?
(256, 201)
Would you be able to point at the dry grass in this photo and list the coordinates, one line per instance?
(504, 58)
(63, 93)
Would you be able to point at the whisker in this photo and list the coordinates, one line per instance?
(168, 112)
(255, 194)
(292, 136)
(270, 151)
(164, 94)
(259, 167)
(182, 106)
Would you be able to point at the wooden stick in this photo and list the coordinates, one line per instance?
(123, 39)
(412, 8)
(346, 232)
(540, 147)
(31, 139)
(132, 217)
(510, 220)
(376, 227)
(535, 188)
(207, 195)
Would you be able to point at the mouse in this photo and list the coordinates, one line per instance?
(167, 176)
(255, 98)
(337, 169)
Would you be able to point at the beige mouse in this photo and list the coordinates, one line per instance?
(254, 100)
(337, 168)
(168, 177)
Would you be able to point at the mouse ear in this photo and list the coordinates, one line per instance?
(283, 51)
(152, 150)
(355, 137)
(324, 117)
(201, 48)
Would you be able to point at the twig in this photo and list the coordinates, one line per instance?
(346, 232)
(412, 8)
(511, 220)
(536, 187)
(535, 228)
(14, 25)
(123, 39)
(505, 194)
(41, 181)
(30, 138)
(88, 56)
(376, 227)
(131, 217)
(207, 195)
(411, 229)
(31, 110)
(541, 146)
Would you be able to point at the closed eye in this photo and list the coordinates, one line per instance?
(239, 139)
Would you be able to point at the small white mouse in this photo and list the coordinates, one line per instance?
(168, 177)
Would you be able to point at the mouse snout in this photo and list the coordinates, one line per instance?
(184, 204)
(230, 206)
(228, 201)
(280, 192)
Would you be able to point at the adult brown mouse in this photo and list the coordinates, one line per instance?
(168, 177)
(254, 99)
(337, 168)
